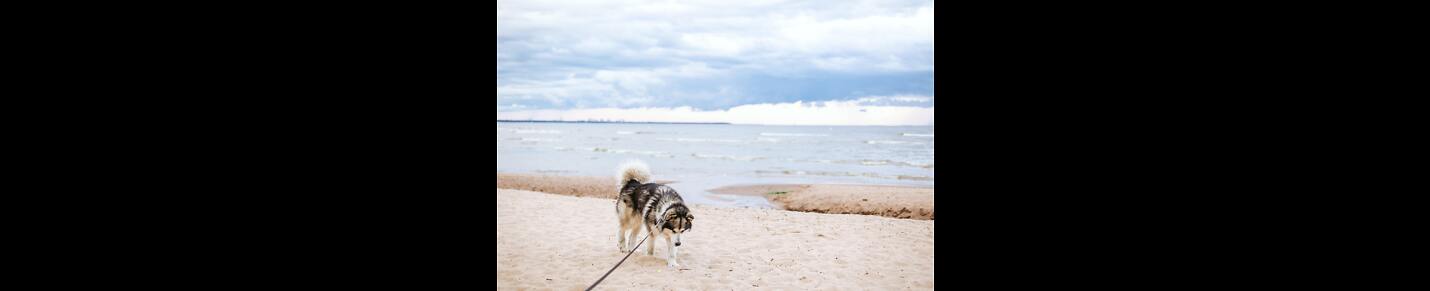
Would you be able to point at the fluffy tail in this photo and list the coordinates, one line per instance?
(634, 170)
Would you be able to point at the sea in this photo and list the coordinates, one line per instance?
(700, 157)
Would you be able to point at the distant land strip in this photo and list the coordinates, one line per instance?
(608, 121)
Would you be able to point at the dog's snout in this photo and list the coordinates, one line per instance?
(677, 244)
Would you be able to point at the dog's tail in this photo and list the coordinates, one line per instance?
(634, 170)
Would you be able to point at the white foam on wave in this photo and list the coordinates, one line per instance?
(844, 174)
(791, 134)
(726, 157)
(920, 165)
(682, 139)
(532, 139)
(633, 132)
(629, 151)
(528, 130)
(881, 162)
(888, 142)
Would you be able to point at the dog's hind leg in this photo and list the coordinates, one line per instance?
(625, 226)
(620, 227)
(621, 237)
(634, 229)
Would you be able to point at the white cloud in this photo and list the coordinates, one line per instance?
(850, 112)
(897, 99)
(713, 44)
(615, 52)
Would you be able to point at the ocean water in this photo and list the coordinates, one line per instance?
(700, 157)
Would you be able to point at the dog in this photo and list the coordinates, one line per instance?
(658, 207)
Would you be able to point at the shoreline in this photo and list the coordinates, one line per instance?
(579, 186)
(904, 202)
(880, 200)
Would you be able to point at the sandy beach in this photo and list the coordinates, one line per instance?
(579, 186)
(794, 141)
(564, 242)
(890, 201)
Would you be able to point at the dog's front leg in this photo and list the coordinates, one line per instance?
(674, 252)
(650, 248)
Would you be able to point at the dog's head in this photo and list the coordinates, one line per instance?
(678, 221)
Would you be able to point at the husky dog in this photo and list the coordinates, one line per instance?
(656, 206)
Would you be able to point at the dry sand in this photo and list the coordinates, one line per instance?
(547, 241)
(891, 201)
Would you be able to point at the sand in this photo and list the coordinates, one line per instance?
(890, 201)
(579, 186)
(560, 242)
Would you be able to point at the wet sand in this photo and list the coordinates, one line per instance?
(889, 201)
(579, 186)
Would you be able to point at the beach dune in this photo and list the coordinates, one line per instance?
(561, 242)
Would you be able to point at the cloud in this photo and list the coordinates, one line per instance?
(896, 100)
(850, 112)
(709, 54)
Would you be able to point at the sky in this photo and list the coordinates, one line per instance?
(744, 62)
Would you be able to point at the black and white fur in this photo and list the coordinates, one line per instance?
(656, 206)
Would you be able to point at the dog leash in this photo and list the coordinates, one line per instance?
(618, 264)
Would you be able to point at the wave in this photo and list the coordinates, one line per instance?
(846, 174)
(920, 165)
(791, 134)
(915, 178)
(634, 132)
(699, 140)
(725, 157)
(621, 151)
(528, 130)
(532, 139)
(890, 142)
(918, 134)
(868, 162)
